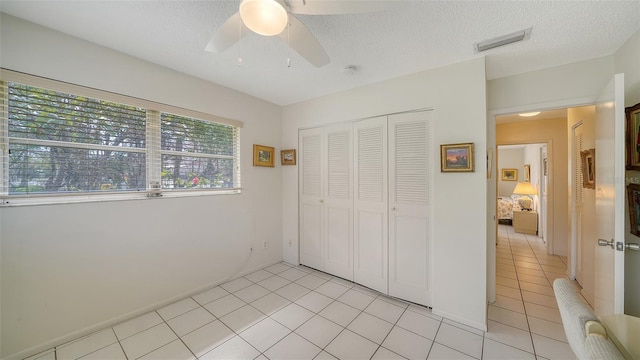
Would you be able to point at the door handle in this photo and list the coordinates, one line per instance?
(603, 242)
(633, 246)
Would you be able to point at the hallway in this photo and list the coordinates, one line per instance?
(525, 314)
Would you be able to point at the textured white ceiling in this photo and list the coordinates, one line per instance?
(413, 36)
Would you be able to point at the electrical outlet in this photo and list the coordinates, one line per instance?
(265, 244)
(290, 243)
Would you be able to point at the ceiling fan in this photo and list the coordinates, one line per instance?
(276, 17)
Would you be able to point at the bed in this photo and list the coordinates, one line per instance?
(506, 206)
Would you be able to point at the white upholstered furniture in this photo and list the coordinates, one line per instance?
(587, 337)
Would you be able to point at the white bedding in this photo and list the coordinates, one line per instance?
(506, 206)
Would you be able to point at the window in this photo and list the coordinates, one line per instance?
(196, 153)
(64, 142)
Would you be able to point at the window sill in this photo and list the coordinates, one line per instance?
(13, 201)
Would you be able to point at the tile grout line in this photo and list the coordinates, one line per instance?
(521, 295)
(176, 334)
(526, 316)
(119, 344)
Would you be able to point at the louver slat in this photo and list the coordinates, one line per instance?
(370, 164)
(411, 163)
(311, 165)
(338, 157)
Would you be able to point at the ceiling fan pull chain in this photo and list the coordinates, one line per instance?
(289, 44)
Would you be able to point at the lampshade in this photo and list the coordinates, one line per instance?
(264, 17)
(525, 188)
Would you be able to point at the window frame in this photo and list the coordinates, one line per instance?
(152, 145)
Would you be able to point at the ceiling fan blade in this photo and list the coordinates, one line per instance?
(304, 43)
(227, 35)
(334, 7)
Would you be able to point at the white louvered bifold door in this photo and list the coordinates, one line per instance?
(370, 204)
(311, 206)
(409, 177)
(338, 200)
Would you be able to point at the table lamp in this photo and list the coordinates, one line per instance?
(526, 189)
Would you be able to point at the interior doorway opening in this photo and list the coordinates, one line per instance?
(522, 187)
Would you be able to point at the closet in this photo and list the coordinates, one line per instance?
(364, 203)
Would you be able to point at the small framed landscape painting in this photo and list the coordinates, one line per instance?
(263, 155)
(456, 157)
(509, 174)
(288, 157)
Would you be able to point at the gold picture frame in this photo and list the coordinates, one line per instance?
(509, 175)
(263, 155)
(456, 157)
(588, 168)
(633, 193)
(633, 137)
(288, 157)
(527, 173)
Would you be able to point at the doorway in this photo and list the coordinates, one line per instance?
(582, 196)
(527, 164)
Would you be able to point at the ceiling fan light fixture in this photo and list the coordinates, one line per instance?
(264, 17)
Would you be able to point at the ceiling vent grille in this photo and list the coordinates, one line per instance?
(502, 40)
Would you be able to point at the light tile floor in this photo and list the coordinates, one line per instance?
(287, 312)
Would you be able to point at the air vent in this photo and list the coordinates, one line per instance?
(502, 40)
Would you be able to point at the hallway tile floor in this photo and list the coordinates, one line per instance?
(289, 312)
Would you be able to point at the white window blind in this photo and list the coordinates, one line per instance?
(56, 141)
(198, 154)
(66, 143)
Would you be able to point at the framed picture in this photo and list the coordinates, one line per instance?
(633, 137)
(456, 157)
(288, 157)
(588, 168)
(544, 167)
(509, 175)
(263, 155)
(527, 173)
(633, 193)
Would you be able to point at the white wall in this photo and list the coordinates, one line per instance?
(457, 95)
(510, 157)
(69, 269)
(626, 61)
(572, 84)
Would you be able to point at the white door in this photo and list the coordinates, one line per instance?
(338, 201)
(610, 187)
(370, 203)
(409, 243)
(311, 209)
